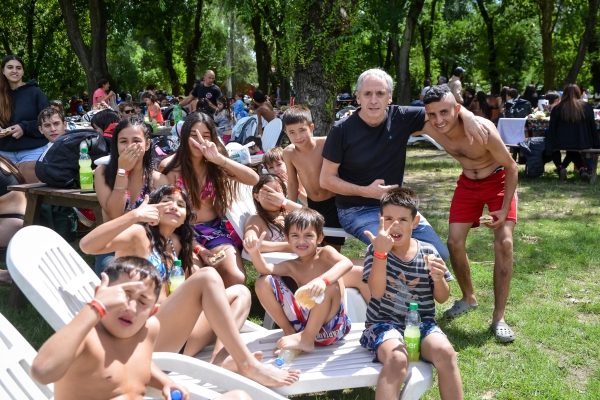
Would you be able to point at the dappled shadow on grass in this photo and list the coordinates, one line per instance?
(461, 338)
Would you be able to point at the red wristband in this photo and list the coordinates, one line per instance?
(122, 171)
(325, 280)
(198, 250)
(98, 306)
(380, 255)
(284, 203)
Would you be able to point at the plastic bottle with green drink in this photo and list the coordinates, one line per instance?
(177, 113)
(412, 334)
(176, 276)
(86, 175)
(154, 126)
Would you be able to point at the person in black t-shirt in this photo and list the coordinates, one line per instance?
(207, 94)
(365, 154)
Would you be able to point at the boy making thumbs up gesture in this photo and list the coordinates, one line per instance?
(105, 352)
(400, 270)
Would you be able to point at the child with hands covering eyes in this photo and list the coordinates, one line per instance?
(400, 270)
(105, 352)
(318, 270)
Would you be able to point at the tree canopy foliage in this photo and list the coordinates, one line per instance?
(67, 45)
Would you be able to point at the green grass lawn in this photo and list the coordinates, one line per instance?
(553, 307)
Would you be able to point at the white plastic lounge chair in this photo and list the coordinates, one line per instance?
(342, 365)
(16, 357)
(58, 283)
(271, 134)
(55, 279)
(414, 139)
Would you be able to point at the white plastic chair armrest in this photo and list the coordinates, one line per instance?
(217, 376)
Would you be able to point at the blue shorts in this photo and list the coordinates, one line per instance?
(376, 334)
(21, 156)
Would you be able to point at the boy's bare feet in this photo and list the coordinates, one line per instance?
(297, 341)
(230, 365)
(270, 376)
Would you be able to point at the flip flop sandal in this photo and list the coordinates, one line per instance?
(503, 332)
(459, 308)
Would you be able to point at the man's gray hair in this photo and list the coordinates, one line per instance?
(377, 73)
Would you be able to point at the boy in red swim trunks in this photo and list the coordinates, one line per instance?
(489, 178)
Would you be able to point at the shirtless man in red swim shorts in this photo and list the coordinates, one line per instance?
(489, 178)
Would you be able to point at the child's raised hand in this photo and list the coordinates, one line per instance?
(383, 242)
(252, 243)
(315, 288)
(116, 297)
(151, 213)
(130, 156)
(437, 269)
(271, 195)
(209, 149)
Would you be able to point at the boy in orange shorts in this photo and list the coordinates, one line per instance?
(489, 178)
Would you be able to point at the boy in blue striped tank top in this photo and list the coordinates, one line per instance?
(400, 270)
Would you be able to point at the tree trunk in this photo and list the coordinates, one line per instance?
(93, 57)
(189, 57)
(594, 50)
(546, 28)
(426, 33)
(263, 54)
(584, 41)
(30, 17)
(492, 66)
(232, 54)
(388, 56)
(403, 53)
(315, 87)
(168, 55)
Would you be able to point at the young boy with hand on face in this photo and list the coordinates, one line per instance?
(318, 270)
(105, 352)
(400, 270)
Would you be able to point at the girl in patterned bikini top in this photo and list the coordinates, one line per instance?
(269, 196)
(211, 179)
(159, 230)
(129, 174)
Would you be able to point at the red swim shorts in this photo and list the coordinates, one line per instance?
(471, 195)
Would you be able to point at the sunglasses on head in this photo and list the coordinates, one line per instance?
(128, 111)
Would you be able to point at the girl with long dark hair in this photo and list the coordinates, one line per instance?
(160, 231)
(20, 103)
(224, 118)
(572, 126)
(202, 167)
(480, 106)
(152, 107)
(122, 184)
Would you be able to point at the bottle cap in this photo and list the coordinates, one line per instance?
(84, 150)
(279, 361)
(176, 395)
(414, 306)
(177, 263)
